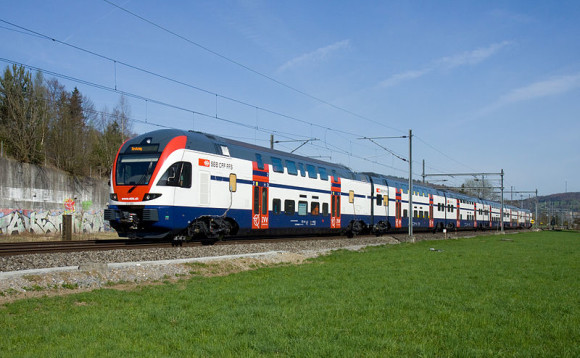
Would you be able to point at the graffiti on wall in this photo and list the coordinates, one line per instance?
(69, 206)
(47, 222)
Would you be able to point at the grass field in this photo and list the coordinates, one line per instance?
(510, 295)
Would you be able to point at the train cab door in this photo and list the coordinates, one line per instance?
(335, 192)
(398, 204)
(431, 219)
(458, 212)
(475, 215)
(260, 188)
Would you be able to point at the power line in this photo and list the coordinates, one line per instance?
(150, 100)
(27, 31)
(237, 63)
(132, 95)
(30, 32)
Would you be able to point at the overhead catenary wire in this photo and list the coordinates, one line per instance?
(149, 122)
(261, 74)
(248, 68)
(116, 62)
(27, 31)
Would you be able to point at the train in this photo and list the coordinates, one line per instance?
(181, 185)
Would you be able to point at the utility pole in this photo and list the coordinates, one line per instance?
(501, 174)
(411, 185)
(410, 160)
(537, 222)
(501, 211)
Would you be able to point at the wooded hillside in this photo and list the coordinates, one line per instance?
(43, 123)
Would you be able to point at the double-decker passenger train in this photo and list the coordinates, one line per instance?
(179, 185)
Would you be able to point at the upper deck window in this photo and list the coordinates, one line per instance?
(259, 161)
(277, 165)
(311, 171)
(323, 174)
(291, 166)
(302, 171)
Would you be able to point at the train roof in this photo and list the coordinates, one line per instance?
(210, 143)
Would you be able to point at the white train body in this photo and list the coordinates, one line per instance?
(177, 184)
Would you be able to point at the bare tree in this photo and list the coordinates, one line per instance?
(480, 188)
(23, 114)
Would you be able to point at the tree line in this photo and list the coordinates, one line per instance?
(42, 123)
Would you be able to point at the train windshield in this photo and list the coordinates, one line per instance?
(135, 169)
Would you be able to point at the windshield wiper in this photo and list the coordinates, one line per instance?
(142, 179)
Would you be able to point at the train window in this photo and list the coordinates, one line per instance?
(315, 208)
(135, 169)
(264, 202)
(379, 199)
(323, 174)
(179, 174)
(277, 165)
(276, 206)
(259, 161)
(324, 209)
(256, 207)
(302, 208)
(405, 213)
(289, 207)
(291, 166)
(302, 171)
(311, 171)
(415, 214)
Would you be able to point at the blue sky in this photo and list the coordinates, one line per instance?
(484, 85)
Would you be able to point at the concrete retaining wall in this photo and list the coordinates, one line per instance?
(33, 198)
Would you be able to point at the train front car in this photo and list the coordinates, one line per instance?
(146, 172)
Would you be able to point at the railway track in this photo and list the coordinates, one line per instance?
(24, 248)
(43, 247)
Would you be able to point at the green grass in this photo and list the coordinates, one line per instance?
(478, 297)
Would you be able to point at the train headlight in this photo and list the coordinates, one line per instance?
(113, 197)
(150, 196)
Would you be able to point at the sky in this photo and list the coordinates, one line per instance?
(482, 85)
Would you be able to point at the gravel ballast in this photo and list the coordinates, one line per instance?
(34, 275)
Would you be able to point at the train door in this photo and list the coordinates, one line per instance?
(335, 191)
(458, 212)
(398, 221)
(475, 215)
(431, 219)
(261, 184)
